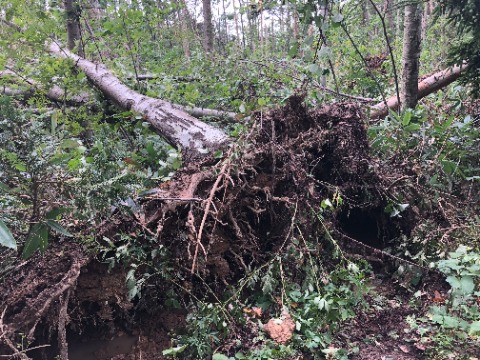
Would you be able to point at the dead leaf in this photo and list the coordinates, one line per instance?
(257, 311)
(404, 348)
(438, 298)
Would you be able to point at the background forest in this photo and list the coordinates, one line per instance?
(239, 179)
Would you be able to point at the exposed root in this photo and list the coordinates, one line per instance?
(62, 322)
(3, 336)
(205, 214)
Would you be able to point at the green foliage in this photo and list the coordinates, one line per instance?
(462, 269)
(449, 141)
(464, 15)
(319, 301)
(50, 176)
(325, 308)
(455, 324)
(6, 237)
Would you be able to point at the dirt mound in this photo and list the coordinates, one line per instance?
(216, 220)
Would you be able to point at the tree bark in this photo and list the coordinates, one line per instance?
(388, 8)
(179, 128)
(183, 17)
(431, 84)
(207, 26)
(73, 26)
(411, 55)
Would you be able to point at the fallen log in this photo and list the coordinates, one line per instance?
(180, 129)
(426, 87)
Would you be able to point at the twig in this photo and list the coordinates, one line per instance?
(359, 98)
(378, 251)
(390, 50)
(357, 50)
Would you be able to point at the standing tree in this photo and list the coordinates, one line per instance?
(73, 26)
(411, 55)
(207, 26)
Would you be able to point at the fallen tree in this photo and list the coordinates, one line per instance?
(218, 219)
(179, 128)
(433, 83)
(58, 95)
(178, 123)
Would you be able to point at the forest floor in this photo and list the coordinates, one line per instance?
(379, 332)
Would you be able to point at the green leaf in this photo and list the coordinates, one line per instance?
(308, 41)
(294, 50)
(218, 154)
(219, 357)
(6, 188)
(21, 166)
(467, 286)
(325, 53)
(314, 69)
(454, 282)
(174, 351)
(449, 166)
(451, 322)
(70, 144)
(37, 240)
(54, 213)
(6, 237)
(337, 18)
(58, 228)
(474, 328)
(407, 117)
(262, 102)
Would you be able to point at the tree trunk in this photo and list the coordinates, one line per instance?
(388, 10)
(411, 55)
(179, 128)
(94, 10)
(237, 30)
(183, 17)
(73, 26)
(207, 26)
(426, 15)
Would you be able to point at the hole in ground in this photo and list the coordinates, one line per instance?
(372, 227)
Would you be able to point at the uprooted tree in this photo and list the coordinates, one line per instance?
(221, 218)
(218, 218)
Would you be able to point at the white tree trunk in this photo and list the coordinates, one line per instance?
(179, 128)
